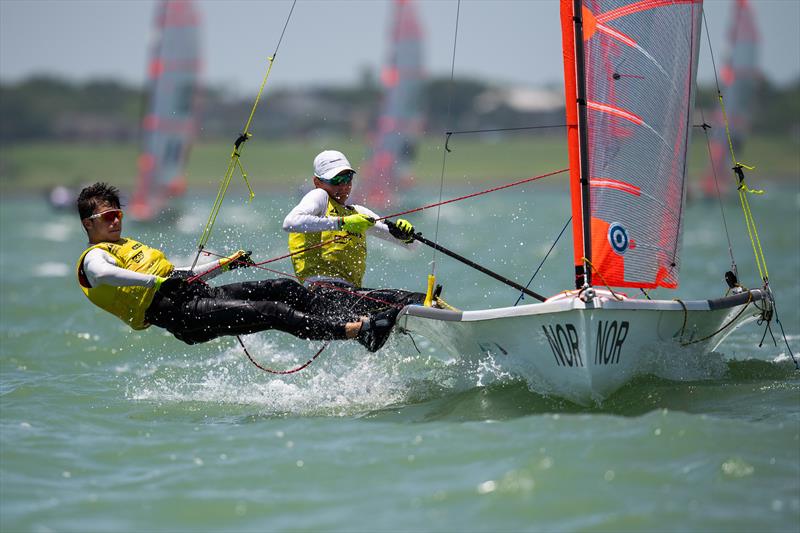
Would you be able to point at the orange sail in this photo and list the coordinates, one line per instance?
(629, 70)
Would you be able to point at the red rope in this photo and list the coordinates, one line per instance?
(303, 250)
(487, 191)
(319, 283)
(337, 288)
(272, 371)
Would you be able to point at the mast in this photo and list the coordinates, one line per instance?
(583, 273)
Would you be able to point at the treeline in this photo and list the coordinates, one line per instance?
(48, 108)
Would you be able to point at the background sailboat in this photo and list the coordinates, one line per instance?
(630, 69)
(739, 80)
(170, 123)
(400, 123)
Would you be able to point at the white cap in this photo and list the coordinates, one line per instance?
(329, 163)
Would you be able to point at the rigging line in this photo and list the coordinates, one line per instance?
(340, 238)
(509, 129)
(719, 194)
(743, 189)
(234, 163)
(280, 372)
(479, 193)
(293, 276)
(449, 118)
(783, 333)
(522, 294)
(687, 134)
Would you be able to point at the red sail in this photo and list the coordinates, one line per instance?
(169, 125)
(640, 63)
(400, 123)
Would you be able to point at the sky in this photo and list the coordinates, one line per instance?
(334, 41)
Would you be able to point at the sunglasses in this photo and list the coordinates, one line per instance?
(108, 216)
(342, 178)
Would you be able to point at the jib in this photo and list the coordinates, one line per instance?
(564, 343)
(610, 337)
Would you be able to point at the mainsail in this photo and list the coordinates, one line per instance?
(400, 122)
(629, 69)
(739, 77)
(169, 125)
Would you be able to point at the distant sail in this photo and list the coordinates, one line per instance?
(400, 123)
(739, 81)
(170, 124)
(640, 60)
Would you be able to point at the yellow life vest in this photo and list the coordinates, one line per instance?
(127, 303)
(346, 258)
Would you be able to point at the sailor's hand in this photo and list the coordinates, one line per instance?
(357, 223)
(170, 286)
(240, 259)
(402, 229)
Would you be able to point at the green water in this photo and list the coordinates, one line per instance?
(104, 429)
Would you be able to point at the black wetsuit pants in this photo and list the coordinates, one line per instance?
(339, 301)
(201, 312)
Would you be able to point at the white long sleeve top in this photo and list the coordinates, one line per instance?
(101, 268)
(309, 217)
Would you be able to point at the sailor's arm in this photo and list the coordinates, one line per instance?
(309, 215)
(101, 268)
(212, 269)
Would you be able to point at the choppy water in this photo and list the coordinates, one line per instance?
(107, 429)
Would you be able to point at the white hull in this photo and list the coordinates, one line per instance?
(582, 351)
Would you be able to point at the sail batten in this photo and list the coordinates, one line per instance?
(640, 63)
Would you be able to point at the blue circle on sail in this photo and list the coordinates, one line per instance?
(618, 238)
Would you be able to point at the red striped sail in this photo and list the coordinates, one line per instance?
(394, 138)
(640, 63)
(169, 125)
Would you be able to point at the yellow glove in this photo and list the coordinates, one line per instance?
(239, 259)
(402, 229)
(357, 223)
(159, 281)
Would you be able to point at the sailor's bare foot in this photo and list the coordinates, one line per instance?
(351, 329)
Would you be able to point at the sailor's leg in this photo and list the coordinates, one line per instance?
(203, 319)
(277, 290)
(376, 300)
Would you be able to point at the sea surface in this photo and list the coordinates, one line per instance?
(106, 429)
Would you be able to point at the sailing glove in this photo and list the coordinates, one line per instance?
(402, 229)
(357, 223)
(239, 259)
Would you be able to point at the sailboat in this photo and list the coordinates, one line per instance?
(630, 69)
(170, 122)
(739, 76)
(400, 121)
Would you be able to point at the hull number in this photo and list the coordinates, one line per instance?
(565, 345)
(610, 337)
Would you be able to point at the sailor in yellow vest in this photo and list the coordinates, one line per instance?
(328, 238)
(137, 283)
